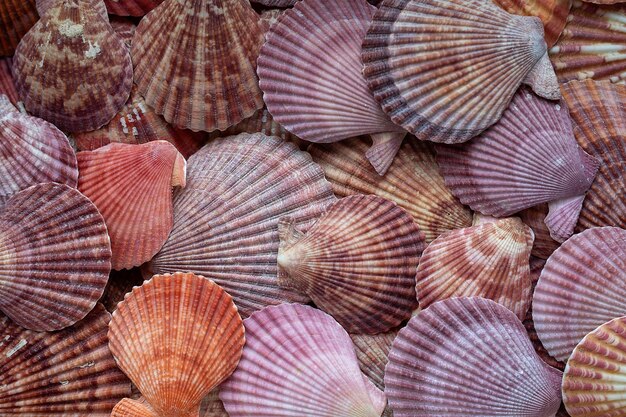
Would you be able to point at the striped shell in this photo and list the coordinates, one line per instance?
(131, 7)
(55, 257)
(276, 3)
(226, 218)
(16, 18)
(357, 262)
(468, 356)
(427, 65)
(298, 361)
(534, 217)
(125, 28)
(176, 337)
(7, 84)
(582, 286)
(133, 408)
(372, 351)
(69, 372)
(98, 5)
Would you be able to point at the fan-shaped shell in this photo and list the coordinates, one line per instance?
(16, 18)
(125, 28)
(7, 84)
(55, 254)
(357, 262)
(73, 43)
(372, 351)
(298, 359)
(413, 182)
(226, 219)
(176, 337)
(131, 7)
(468, 356)
(98, 5)
(70, 372)
(133, 408)
(582, 286)
(534, 217)
(195, 62)
(428, 66)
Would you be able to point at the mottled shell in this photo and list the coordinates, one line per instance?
(55, 257)
(276, 3)
(16, 18)
(372, 351)
(98, 5)
(7, 84)
(131, 7)
(212, 406)
(176, 337)
(534, 217)
(125, 28)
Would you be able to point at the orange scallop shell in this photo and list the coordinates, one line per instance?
(16, 18)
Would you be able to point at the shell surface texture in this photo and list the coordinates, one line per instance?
(16, 18)
(7, 83)
(131, 7)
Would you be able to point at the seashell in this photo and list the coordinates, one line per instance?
(55, 255)
(212, 406)
(372, 351)
(98, 5)
(131, 7)
(125, 29)
(33, 152)
(488, 260)
(226, 219)
(72, 43)
(553, 14)
(276, 3)
(133, 408)
(270, 17)
(429, 68)
(582, 286)
(219, 88)
(468, 356)
(604, 204)
(357, 262)
(412, 181)
(593, 380)
(7, 84)
(176, 337)
(16, 18)
(132, 187)
(534, 217)
(120, 283)
(310, 73)
(314, 370)
(69, 372)
(538, 162)
(592, 44)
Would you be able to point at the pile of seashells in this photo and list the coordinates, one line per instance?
(333, 208)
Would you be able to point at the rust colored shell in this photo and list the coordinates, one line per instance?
(68, 373)
(16, 18)
(132, 187)
(535, 217)
(195, 62)
(7, 84)
(44, 5)
(176, 337)
(412, 181)
(131, 7)
(133, 408)
(71, 69)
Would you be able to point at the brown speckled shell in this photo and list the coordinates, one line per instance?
(44, 5)
(212, 406)
(131, 7)
(16, 18)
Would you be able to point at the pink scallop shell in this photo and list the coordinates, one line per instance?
(7, 83)
(131, 7)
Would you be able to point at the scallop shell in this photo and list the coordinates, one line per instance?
(357, 262)
(412, 181)
(298, 361)
(125, 29)
(582, 286)
(133, 408)
(226, 219)
(131, 7)
(74, 44)
(98, 5)
(427, 65)
(212, 406)
(468, 356)
(276, 3)
(592, 44)
(204, 78)
(372, 351)
(120, 283)
(534, 217)
(605, 204)
(593, 380)
(132, 187)
(70, 372)
(33, 152)
(176, 337)
(55, 256)
(16, 18)
(7, 84)
(538, 162)
(310, 73)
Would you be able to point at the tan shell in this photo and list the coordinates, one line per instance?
(16, 18)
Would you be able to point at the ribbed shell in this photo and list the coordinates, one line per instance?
(276, 3)
(534, 217)
(413, 182)
(537, 159)
(176, 337)
(74, 44)
(593, 383)
(582, 286)
(55, 257)
(489, 260)
(70, 372)
(133, 408)
(7, 84)
(357, 262)
(593, 44)
(98, 5)
(604, 204)
(212, 406)
(131, 7)
(32, 151)
(125, 28)
(120, 283)
(132, 187)
(16, 18)
(468, 356)
(195, 62)
(226, 219)
(298, 361)
(429, 65)
(372, 351)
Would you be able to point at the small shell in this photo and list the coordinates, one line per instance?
(131, 7)
(7, 84)
(413, 182)
(98, 5)
(372, 351)
(68, 373)
(593, 44)
(195, 62)
(133, 408)
(428, 65)
(357, 262)
(534, 217)
(71, 42)
(469, 356)
(176, 337)
(312, 370)
(16, 18)
(226, 219)
(582, 286)
(120, 283)
(55, 254)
